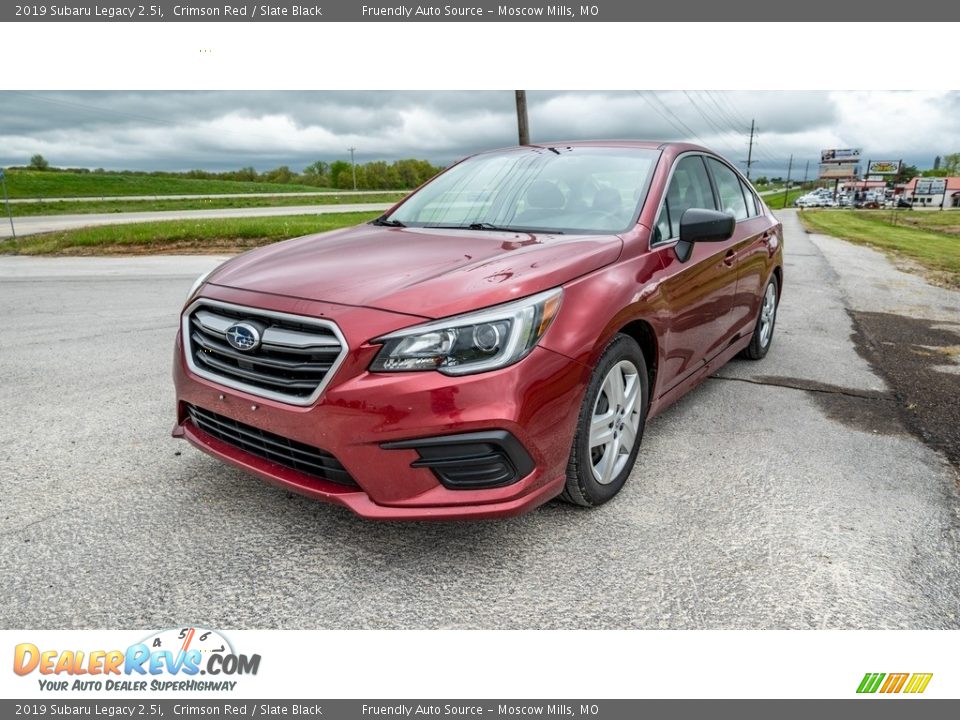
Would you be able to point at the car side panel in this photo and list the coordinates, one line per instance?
(694, 303)
(753, 241)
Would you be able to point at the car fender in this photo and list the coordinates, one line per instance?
(597, 306)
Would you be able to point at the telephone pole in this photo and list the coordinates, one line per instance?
(806, 172)
(786, 186)
(750, 149)
(523, 127)
(353, 167)
(6, 200)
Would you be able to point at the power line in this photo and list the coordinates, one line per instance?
(661, 114)
(722, 132)
(724, 115)
(735, 112)
(91, 108)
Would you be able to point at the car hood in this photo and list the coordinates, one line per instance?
(427, 272)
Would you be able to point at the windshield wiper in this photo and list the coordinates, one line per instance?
(387, 223)
(496, 228)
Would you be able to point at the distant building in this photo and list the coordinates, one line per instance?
(863, 185)
(926, 192)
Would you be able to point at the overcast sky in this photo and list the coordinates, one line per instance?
(161, 130)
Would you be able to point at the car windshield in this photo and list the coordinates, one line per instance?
(539, 189)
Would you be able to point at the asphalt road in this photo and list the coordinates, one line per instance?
(210, 196)
(782, 494)
(31, 225)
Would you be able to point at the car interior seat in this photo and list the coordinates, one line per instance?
(542, 199)
(607, 200)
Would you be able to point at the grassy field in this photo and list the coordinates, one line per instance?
(73, 207)
(931, 239)
(776, 201)
(56, 184)
(181, 236)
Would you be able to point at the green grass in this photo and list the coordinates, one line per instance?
(193, 236)
(73, 207)
(776, 201)
(56, 184)
(927, 238)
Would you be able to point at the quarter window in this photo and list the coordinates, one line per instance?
(689, 188)
(752, 209)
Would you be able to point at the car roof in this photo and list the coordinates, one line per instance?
(639, 144)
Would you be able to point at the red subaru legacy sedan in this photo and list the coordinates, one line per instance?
(495, 340)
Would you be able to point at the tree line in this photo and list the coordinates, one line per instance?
(339, 174)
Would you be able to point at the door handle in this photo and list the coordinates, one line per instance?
(730, 258)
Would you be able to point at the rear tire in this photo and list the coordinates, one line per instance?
(609, 426)
(763, 331)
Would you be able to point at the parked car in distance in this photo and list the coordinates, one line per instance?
(814, 200)
(497, 339)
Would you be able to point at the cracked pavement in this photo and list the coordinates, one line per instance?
(787, 493)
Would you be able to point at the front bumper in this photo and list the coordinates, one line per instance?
(372, 422)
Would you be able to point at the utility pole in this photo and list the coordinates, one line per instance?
(353, 167)
(6, 200)
(806, 173)
(786, 187)
(523, 127)
(750, 149)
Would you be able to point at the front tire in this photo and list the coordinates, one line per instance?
(763, 331)
(610, 425)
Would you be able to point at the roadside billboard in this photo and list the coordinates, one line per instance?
(931, 186)
(838, 171)
(836, 155)
(883, 167)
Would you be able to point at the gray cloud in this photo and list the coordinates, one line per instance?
(222, 130)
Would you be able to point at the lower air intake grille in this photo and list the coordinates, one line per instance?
(283, 451)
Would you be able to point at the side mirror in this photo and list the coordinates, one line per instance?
(702, 225)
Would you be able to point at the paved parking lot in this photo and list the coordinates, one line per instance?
(781, 494)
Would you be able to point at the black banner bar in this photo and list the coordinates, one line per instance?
(860, 11)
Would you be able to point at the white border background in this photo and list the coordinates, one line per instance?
(459, 56)
(423, 664)
(434, 56)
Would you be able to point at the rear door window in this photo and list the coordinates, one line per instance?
(729, 189)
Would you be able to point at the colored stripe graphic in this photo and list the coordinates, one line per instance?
(918, 683)
(894, 683)
(870, 682)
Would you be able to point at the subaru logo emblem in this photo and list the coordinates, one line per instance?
(243, 336)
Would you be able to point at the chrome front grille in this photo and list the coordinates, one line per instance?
(296, 357)
(283, 451)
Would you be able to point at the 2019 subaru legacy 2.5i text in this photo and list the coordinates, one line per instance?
(495, 340)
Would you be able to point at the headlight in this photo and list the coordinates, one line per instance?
(196, 285)
(484, 340)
